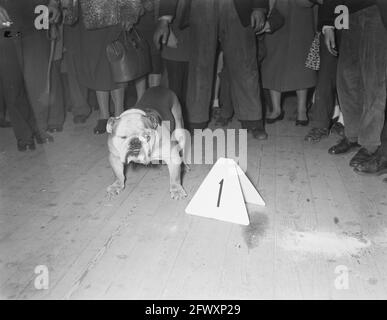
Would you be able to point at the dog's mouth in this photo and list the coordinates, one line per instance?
(138, 151)
(135, 147)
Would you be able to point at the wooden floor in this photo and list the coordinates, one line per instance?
(142, 245)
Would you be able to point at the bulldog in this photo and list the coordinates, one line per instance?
(152, 130)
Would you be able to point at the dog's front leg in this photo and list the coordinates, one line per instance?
(174, 166)
(118, 169)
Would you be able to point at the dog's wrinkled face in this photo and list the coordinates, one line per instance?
(134, 136)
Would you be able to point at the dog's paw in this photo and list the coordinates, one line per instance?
(114, 189)
(178, 192)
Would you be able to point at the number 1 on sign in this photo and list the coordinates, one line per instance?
(220, 191)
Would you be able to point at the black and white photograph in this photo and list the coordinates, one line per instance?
(193, 150)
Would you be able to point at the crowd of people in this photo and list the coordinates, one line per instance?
(268, 48)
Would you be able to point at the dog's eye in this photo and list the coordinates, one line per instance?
(123, 138)
(147, 138)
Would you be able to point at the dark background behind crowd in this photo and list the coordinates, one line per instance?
(268, 48)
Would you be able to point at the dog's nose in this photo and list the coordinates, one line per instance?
(135, 147)
(135, 143)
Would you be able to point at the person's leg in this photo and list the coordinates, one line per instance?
(56, 116)
(78, 93)
(3, 121)
(373, 61)
(140, 87)
(103, 103)
(33, 50)
(383, 138)
(349, 86)
(225, 98)
(377, 165)
(203, 35)
(216, 92)
(240, 56)
(2, 102)
(276, 105)
(325, 93)
(118, 96)
(66, 91)
(15, 96)
(302, 117)
(266, 101)
(154, 80)
(177, 81)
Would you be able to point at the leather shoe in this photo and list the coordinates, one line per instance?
(280, 117)
(23, 146)
(43, 138)
(259, 133)
(338, 128)
(101, 126)
(376, 166)
(343, 146)
(361, 156)
(302, 123)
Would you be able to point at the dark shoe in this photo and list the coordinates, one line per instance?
(5, 124)
(101, 126)
(79, 119)
(338, 128)
(54, 129)
(23, 146)
(302, 123)
(278, 118)
(343, 146)
(43, 138)
(361, 156)
(316, 134)
(376, 165)
(259, 133)
(222, 122)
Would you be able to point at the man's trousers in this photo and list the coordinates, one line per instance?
(33, 52)
(325, 93)
(210, 21)
(361, 76)
(14, 93)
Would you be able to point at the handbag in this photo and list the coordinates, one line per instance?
(313, 59)
(129, 57)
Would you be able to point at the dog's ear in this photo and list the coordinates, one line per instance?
(110, 124)
(154, 118)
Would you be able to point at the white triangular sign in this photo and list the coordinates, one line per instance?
(250, 194)
(220, 196)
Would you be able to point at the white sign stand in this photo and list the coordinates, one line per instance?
(223, 194)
